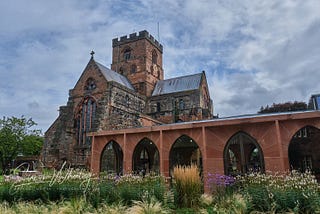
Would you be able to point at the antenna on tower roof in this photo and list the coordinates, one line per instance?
(158, 32)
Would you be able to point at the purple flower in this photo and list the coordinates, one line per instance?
(220, 180)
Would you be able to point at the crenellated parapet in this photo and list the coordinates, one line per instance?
(134, 37)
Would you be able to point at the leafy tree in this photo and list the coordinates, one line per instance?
(18, 137)
(284, 107)
(32, 145)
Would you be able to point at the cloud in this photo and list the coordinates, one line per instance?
(254, 52)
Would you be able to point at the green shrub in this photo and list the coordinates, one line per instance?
(66, 186)
(135, 188)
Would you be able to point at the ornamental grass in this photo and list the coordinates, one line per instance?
(187, 185)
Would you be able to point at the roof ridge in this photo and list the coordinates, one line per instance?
(182, 76)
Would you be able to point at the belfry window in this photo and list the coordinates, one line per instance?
(127, 54)
(154, 57)
(84, 121)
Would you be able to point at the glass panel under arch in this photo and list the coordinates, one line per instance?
(243, 155)
(112, 159)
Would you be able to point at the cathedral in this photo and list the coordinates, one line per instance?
(131, 94)
(128, 118)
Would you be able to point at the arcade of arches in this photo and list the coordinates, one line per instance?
(227, 146)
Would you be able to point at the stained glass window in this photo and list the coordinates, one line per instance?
(84, 121)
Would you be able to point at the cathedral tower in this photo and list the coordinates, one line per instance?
(139, 58)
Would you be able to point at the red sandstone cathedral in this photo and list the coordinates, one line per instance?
(128, 118)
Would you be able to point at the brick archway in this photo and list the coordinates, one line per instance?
(145, 157)
(185, 151)
(112, 158)
(301, 150)
(242, 154)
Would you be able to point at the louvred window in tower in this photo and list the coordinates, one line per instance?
(127, 54)
(154, 57)
(84, 121)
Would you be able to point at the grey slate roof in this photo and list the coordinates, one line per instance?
(111, 75)
(178, 84)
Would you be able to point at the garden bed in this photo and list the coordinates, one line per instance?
(77, 191)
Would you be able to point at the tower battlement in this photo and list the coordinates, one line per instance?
(134, 37)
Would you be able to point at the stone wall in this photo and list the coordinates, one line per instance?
(119, 108)
(177, 107)
(57, 146)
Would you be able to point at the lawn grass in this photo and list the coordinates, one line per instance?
(1, 178)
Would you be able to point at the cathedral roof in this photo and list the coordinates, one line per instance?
(178, 84)
(111, 75)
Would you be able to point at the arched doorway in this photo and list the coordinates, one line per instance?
(146, 157)
(242, 154)
(304, 150)
(112, 159)
(185, 151)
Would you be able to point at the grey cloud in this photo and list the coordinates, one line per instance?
(271, 46)
(33, 105)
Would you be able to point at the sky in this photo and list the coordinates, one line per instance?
(254, 53)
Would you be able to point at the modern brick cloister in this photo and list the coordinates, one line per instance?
(264, 142)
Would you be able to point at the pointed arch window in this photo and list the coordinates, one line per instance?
(158, 107)
(127, 101)
(181, 104)
(85, 121)
(133, 68)
(154, 57)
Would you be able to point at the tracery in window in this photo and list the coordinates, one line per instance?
(84, 121)
(90, 84)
